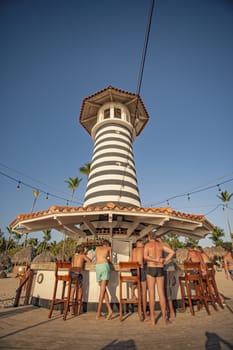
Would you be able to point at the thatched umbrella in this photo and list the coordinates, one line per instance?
(181, 255)
(5, 262)
(23, 257)
(44, 257)
(218, 252)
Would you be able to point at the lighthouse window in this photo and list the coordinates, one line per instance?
(117, 113)
(107, 113)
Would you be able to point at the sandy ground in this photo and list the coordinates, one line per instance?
(8, 288)
(9, 285)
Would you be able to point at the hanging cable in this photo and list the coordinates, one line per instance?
(140, 76)
(33, 188)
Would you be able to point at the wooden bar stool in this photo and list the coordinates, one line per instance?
(211, 285)
(192, 287)
(125, 279)
(63, 274)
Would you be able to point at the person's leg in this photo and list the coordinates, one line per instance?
(133, 288)
(151, 289)
(171, 310)
(80, 297)
(144, 298)
(102, 285)
(106, 298)
(72, 299)
(162, 299)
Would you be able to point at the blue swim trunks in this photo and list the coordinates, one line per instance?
(102, 272)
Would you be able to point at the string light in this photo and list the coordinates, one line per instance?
(20, 183)
(190, 193)
(219, 188)
(168, 203)
(47, 196)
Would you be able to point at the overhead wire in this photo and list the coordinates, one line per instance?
(19, 182)
(140, 76)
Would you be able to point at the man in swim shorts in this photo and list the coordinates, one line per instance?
(153, 252)
(78, 262)
(137, 255)
(103, 258)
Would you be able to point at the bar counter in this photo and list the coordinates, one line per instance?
(43, 285)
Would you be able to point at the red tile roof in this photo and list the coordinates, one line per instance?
(110, 206)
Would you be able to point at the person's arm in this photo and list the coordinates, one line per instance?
(170, 253)
(87, 259)
(110, 254)
(147, 257)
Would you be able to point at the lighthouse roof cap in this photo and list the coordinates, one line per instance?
(134, 103)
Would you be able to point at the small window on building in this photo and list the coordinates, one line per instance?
(117, 113)
(107, 113)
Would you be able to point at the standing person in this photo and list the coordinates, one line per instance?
(170, 271)
(153, 253)
(137, 255)
(78, 262)
(228, 264)
(103, 258)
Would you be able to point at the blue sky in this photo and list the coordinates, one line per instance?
(56, 53)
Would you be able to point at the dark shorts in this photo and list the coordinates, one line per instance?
(76, 278)
(142, 274)
(155, 271)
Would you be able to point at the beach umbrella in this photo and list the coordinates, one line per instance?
(44, 257)
(5, 261)
(23, 257)
(181, 255)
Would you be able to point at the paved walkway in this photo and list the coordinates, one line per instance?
(28, 327)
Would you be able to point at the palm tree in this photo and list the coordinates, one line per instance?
(226, 197)
(32, 242)
(11, 233)
(172, 240)
(85, 170)
(35, 194)
(216, 236)
(47, 237)
(73, 183)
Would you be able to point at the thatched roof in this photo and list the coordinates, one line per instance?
(215, 251)
(23, 257)
(181, 255)
(5, 261)
(44, 257)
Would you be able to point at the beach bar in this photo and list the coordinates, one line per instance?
(112, 207)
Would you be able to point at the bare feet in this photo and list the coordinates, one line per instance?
(166, 322)
(109, 316)
(98, 317)
(149, 322)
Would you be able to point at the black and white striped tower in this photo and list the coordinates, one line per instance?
(113, 118)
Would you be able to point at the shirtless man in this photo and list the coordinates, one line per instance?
(137, 255)
(194, 255)
(78, 262)
(228, 264)
(103, 258)
(153, 252)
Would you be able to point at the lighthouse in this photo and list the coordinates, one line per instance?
(113, 118)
